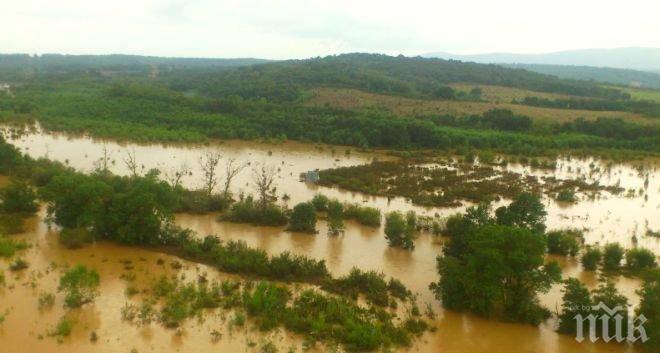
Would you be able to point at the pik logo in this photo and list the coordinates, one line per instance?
(609, 318)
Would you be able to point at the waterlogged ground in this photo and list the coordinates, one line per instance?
(608, 218)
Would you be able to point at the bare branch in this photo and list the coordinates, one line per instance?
(209, 163)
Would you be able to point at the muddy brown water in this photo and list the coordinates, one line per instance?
(610, 218)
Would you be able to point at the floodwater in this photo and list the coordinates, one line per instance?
(609, 218)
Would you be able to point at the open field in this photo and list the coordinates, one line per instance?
(501, 94)
(352, 99)
(640, 93)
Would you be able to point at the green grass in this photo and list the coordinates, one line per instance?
(645, 94)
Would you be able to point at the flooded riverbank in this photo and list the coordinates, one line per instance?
(611, 218)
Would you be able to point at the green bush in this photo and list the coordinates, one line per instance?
(249, 211)
(367, 216)
(303, 218)
(591, 258)
(612, 256)
(80, 285)
(399, 231)
(640, 259)
(563, 242)
(320, 202)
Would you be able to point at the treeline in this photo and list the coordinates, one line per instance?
(143, 112)
(403, 76)
(645, 107)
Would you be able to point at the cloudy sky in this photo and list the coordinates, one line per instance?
(305, 28)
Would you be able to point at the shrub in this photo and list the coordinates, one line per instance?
(63, 328)
(46, 301)
(612, 256)
(303, 218)
(640, 259)
(18, 265)
(335, 217)
(320, 202)
(563, 242)
(248, 211)
(80, 286)
(399, 231)
(367, 216)
(591, 258)
(199, 201)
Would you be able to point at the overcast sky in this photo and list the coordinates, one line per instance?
(305, 28)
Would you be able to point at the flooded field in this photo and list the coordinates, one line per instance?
(624, 218)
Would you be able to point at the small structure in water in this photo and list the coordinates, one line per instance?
(311, 176)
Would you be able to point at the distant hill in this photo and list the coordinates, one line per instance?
(17, 66)
(400, 76)
(645, 59)
(632, 78)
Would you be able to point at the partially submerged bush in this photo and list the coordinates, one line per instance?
(367, 216)
(563, 242)
(591, 258)
(638, 259)
(80, 285)
(303, 218)
(399, 231)
(612, 256)
(249, 211)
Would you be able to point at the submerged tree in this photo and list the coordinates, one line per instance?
(264, 179)
(525, 211)
(500, 272)
(399, 230)
(232, 168)
(576, 301)
(209, 162)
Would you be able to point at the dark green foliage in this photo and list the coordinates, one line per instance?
(526, 211)
(649, 306)
(320, 202)
(249, 211)
(18, 197)
(500, 272)
(607, 294)
(268, 303)
(398, 231)
(612, 256)
(80, 285)
(303, 218)
(199, 201)
(563, 242)
(591, 258)
(645, 107)
(335, 217)
(638, 259)
(370, 283)
(576, 301)
(367, 216)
